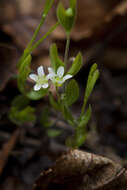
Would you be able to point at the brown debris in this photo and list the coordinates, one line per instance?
(7, 148)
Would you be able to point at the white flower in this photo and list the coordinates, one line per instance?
(41, 79)
(58, 78)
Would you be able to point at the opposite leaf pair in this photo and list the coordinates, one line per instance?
(41, 79)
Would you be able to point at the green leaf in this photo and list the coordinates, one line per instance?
(53, 133)
(24, 71)
(80, 138)
(85, 118)
(19, 117)
(37, 95)
(20, 102)
(20, 111)
(76, 65)
(67, 17)
(71, 92)
(55, 60)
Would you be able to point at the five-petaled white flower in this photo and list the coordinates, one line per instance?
(58, 78)
(41, 79)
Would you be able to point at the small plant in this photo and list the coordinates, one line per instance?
(58, 75)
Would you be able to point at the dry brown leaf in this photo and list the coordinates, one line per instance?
(120, 9)
(80, 171)
(7, 148)
(21, 30)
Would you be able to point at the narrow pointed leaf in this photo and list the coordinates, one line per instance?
(85, 118)
(76, 65)
(67, 114)
(92, 78)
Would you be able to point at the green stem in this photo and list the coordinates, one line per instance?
(83, 108)
(57, 93)
(67, 50)
(43, 38)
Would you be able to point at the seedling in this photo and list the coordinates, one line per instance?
(59, 76)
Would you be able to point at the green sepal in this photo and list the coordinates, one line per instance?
(67, 17)
(71, 92)
(76, 65)
(55, 60)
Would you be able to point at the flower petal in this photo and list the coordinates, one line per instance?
(33, 77)
(40, 71)
(49, 76)
(60, 71)
(45, 85)
(37, 87)
(67, 77)
(51, 71)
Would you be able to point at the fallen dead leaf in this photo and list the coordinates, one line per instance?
(120, 9)
(81, 170)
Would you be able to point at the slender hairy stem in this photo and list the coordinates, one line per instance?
(43, 38)
(28, 51)
(36, 31)
(67, 49)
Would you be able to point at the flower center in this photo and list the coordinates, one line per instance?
(42, 80)
(57, 78)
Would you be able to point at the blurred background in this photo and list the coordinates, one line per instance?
(100, 33)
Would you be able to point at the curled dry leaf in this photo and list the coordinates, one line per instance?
(80, 171)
